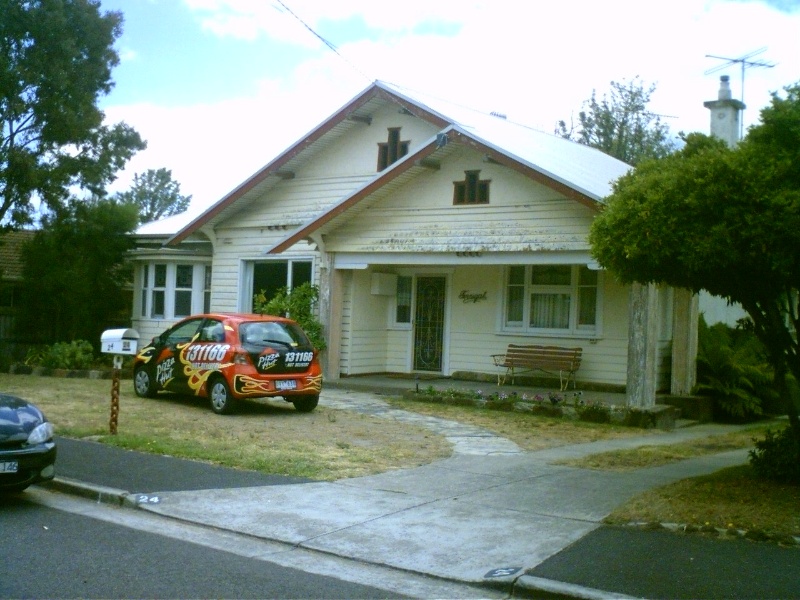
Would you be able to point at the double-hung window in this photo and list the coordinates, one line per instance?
(158, 304)
(402, 302)
(183, 290)
(551, 299)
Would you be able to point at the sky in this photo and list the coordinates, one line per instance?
(218, 88)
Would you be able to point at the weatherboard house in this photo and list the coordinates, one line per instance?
(437, 237)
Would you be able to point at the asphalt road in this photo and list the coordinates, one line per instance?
(661, 564)
(139, 472)
(49, 553)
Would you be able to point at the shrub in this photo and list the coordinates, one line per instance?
(35, 356)
(77, 354)
(733, 369)
(777, 457)
(593, 412)
(299, 305)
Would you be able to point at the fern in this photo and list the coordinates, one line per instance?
(732, 368)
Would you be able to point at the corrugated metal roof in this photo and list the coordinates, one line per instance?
(587, 171)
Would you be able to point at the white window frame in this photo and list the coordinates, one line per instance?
(145, 291)
(246, 277)
(573, 290)
(158, 288)
(148, 278)
(207, 275)
(183, 289)
(393, 322)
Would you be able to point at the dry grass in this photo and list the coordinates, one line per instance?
(653, 456)
(730, 498)
(527, 431)
(269, 436)
(327, 444)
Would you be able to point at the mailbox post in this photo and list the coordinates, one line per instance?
(119, 342)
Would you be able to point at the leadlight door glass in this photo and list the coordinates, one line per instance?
(429, 324)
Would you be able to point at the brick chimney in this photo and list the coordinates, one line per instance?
(726, 114)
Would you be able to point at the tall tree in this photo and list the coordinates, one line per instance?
(56, 58)
(724, 220)
(74, 272)
(621, 125)
(155, 194)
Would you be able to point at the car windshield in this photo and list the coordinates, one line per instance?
(266, 333)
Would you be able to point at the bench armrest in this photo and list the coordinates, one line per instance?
(499, 359)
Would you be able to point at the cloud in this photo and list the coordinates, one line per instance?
(249, 19)
(536, 62)
(289, 21)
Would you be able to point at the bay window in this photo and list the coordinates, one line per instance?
(183, 290)
(170, 290)
(551, 299)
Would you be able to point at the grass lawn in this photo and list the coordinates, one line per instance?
(329, 444)
(268, 436)
(730, 498)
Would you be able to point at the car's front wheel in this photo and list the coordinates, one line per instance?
(305, 403)
(222, 402)
(143, 383)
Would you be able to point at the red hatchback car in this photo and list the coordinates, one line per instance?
(226, 357)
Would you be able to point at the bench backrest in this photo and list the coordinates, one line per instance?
(554, 357)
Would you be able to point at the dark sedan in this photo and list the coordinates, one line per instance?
(27, 449)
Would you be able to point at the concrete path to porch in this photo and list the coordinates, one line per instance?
(484, 516)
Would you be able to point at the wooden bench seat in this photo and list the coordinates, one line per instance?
(550, 359)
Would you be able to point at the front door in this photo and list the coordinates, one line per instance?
(429, 324)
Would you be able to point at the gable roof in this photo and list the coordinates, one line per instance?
(580, 172)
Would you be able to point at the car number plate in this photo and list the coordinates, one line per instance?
(287, 384)
(9, 466)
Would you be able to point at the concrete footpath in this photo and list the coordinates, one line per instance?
(490, 515)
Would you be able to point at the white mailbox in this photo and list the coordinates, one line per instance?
(119, 341)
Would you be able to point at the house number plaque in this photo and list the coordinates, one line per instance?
(474, 297)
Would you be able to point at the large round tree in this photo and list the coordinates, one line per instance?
(720, 219)
(56, 58)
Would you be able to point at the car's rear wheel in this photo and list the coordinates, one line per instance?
(219, 394)
(143, 383)
(305, 403)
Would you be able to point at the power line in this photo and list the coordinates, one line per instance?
(324, 41)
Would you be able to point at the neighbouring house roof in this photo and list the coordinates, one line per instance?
(167, 226)
(10, 251)
(578, 171)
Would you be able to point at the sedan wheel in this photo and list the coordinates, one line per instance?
(143, 384)
(222, 402)
(305, 403)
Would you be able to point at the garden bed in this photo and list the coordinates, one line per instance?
(566, 405)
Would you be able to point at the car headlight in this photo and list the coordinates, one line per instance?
(42, 433)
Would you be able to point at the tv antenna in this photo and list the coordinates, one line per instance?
(745, 62)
